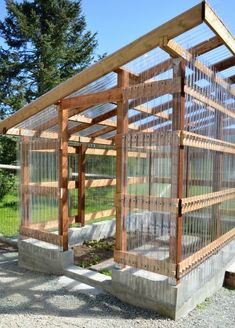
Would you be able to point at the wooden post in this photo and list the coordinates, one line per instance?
(121, 183)
(178, 124)
(217, 173)
(25, 182)
(63, 175)
(81, 151)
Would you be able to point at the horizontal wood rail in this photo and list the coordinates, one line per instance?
(95, 152)
(51, 186)
(143, 90)
(43, 189)
(89, 100)
(99, 214)
(191, 139)
(150, 203)
(194, 203)
(189, 263)
(53, 135)
(41, 235)
(152, 89)
(138, 261)
(88, 217)
(174, 205)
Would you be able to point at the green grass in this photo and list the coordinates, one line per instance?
(97, 199)
(106, 272)
(204, 304)
(9, 215)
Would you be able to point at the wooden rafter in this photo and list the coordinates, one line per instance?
(53, 135)
(214, 22)
(151, 40)
(206, 100)
(177, 50)
(224, 64)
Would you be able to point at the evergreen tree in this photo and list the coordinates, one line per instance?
(46, 42)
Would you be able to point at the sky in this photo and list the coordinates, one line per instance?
(119, 22)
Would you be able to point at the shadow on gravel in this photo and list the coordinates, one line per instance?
(22, 291)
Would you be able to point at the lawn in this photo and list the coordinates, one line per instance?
(9, 215)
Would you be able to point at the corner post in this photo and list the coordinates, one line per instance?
(178, 122)
(63, 176)
(121, 163)
(25, 182)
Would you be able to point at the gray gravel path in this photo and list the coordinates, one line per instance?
(29, 299)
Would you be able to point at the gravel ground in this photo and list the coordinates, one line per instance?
(29, 299)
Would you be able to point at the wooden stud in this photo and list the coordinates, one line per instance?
(81, 150)
(178, 122)
(25, 216)
(218, 170)
(63, 176)
(121, 163)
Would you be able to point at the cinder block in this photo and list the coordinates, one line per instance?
(40, 256)
(95, 231)
(159, 293)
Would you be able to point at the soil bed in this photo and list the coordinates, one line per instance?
(5, 248)
(93, 252)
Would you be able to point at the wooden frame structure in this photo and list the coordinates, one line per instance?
(131, 93)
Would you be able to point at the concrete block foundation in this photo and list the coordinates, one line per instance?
(161, 294)
(95, 231)
(40, 256)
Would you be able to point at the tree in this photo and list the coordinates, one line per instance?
(46, 42)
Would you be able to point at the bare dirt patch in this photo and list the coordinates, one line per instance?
(5, 248)
(93, 252)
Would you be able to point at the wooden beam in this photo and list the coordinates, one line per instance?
(53, 135)
(151, 89)
(232, 79)
(81, 151)
(208, 101)
(145, 263)
(63, 176)
(195, 203)
(177, 189)
(101, 132)
(224, 64)
(97, 120)
(206, 46)
(99, 214)
(191, 139)
(25, 175)
(173, 28)
(214, 22)
(218, 172)
(189, 263)
(121, 163)
(176, 50)
(89, 100)
(199, 49)
(41, 235)
(149, 203)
